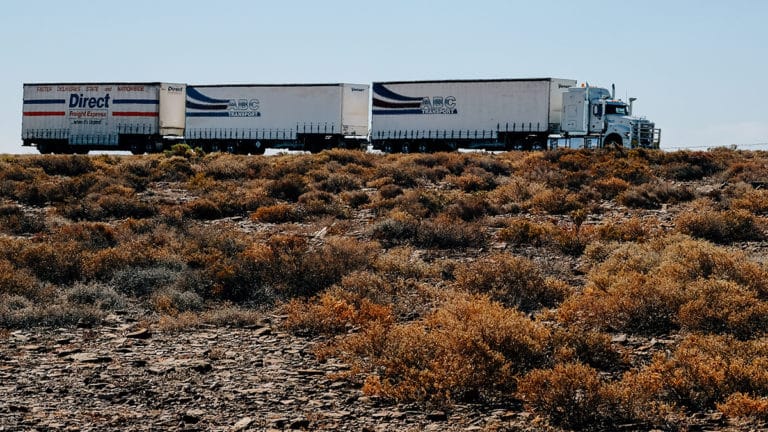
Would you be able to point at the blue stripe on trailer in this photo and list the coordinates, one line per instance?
(208, 114)
(43, 101)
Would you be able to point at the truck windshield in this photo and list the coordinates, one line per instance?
(616, 109)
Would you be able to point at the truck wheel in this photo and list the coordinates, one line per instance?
(613, 141)
(137, 149)
(231, 148)
(258, 148)
(406, 148)
(423, 148)
(44, 148)
(388, 147)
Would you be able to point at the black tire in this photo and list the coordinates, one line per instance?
(137, 149)
(231, 148)
(389, 147)
(613, 141)
(44, 148)
(406, 148)
(258, 148)
(423, 147)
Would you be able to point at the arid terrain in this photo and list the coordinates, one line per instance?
(563, 290)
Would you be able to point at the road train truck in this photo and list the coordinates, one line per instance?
(502, 114)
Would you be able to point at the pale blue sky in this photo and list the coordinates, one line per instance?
(698, 68)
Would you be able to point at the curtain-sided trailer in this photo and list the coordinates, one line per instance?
(250, 118)
(78, 117)
(502, 114)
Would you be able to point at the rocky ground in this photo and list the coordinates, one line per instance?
(122, 377)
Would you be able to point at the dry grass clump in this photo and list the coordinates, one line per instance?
(445, 232)
(14, 220)
(514, 281)
(468, 349)
(658, 286)
(721, 226)
(331, 314)
(741, 405)
(522, 231)
(653, 195)
(277, 213)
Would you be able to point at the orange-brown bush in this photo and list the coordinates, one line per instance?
(15, 221)
(468, 349)
(706, 370)
(445, 232)
(331, 314)
(569, 394)
(721, 227)
(514, 281)
(743, 405)
(653, 195)
(521, 231)
(278, 213)
(646, 287)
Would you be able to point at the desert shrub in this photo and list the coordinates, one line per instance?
(175, 169)
(288, 188)
(330, 314)
(422, 203)
(202, 208)
(521, 231)
(569, 394)
(14, 220)
(17, 281)
(56, 313)
(142, 281)
(651, 287)
(339, 182)
(469, 208)
(610, 187)
(472, 181)
(705, 370)
(554, 201)
(470, 348)
(222, 166)
(719, 306)
(632, 229)
(389, 191)
(581, 345)
(96, 294)
(356, 199)
(741, 405)
(59, 263)
(752, 200)
(397, 228)
(89, 235)
(444, 232)
(572, 240)
(321, 203)
(653, 195)
(70, 166)
(513, 281)
(403, 262)
(721, 227)
(278, 213)
(746, 170)
(171, 301)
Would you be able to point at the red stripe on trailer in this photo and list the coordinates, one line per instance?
(43, 113)
(134, 114)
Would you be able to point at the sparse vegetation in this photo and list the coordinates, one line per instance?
(581, 285)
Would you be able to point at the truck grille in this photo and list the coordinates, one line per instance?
(643, 135)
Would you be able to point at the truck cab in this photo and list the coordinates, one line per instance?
(595, 117)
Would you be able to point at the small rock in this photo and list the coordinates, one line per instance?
(619, 338)
(437, 416)
(143, 333)
(193, 415)
(299, 423)
(90, 358)
(263, 331)
(242, 424)
(200, 366)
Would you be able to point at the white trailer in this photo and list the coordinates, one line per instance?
(445, 115)
(79, 117)
(249, 118)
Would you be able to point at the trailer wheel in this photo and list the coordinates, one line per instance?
(258, 148)
(406, 148)
(423, 148)
(231, 148)
(137, 149)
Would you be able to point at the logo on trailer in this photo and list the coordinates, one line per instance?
(200, 105)
(387, 102)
